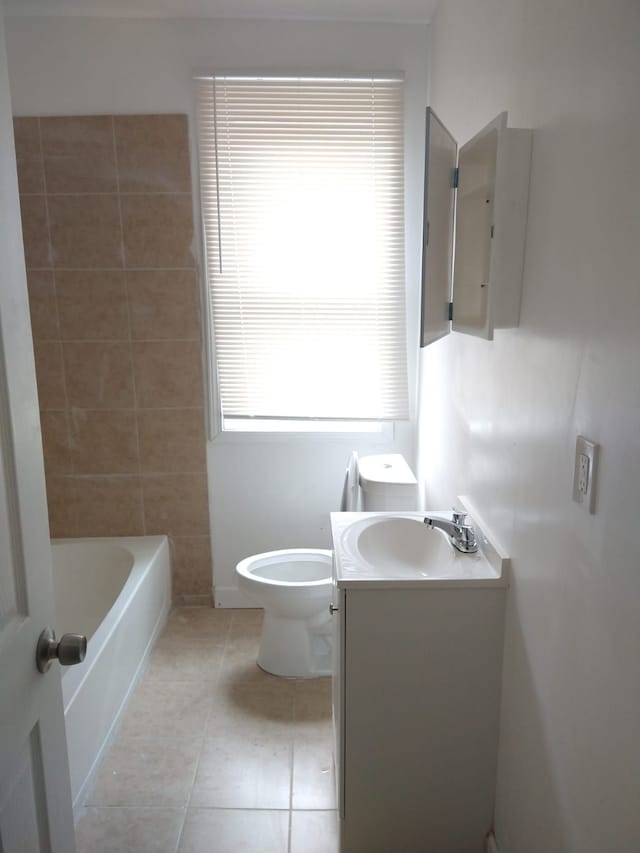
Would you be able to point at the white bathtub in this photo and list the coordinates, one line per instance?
(118, 593)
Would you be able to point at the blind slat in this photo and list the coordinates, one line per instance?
(302, 187)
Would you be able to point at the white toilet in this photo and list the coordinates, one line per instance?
(294, 586)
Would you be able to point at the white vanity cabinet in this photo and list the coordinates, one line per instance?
(473, 284)
(416, 687)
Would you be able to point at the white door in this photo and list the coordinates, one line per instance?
(35, 796)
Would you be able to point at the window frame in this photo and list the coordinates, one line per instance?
(385, 429)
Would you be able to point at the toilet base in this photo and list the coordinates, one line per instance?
(293, 648)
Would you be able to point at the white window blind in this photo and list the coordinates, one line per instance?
(302, 184)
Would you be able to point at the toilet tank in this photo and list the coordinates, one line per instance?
(387, 483)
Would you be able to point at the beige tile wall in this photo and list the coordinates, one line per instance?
(108, 232)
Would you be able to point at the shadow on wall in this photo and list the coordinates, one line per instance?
(108, 228)
(534, 762)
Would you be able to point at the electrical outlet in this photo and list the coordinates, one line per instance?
(584, 473)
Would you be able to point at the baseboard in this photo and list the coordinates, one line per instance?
(203, 600)
(491, 845)
(231, 596)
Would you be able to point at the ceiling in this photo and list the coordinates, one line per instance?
(404, 11)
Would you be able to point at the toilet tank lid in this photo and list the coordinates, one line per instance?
(385, 469)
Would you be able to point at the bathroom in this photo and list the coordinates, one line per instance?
(495, 420)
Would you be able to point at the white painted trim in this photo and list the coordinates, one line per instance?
(491, 845)
(231, 596)
(87, 786)
(385, 435)
(201, 600)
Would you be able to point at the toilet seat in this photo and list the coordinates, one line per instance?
(289, 567)
(294, 588)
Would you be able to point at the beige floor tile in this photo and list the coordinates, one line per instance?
(245, 637)
(235, 831)
(240, 665)
(241, 655)
(118, 830)
(312, 702)
(241, 671)
(258, 743)
(313, 774)
(243, 770)
(314, 832)
(245, 633)
(172, 709)
(186, 660)
(147, 773)
(247, 616)
(251, 706)
(197, 623)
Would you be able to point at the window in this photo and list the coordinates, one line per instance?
(302, 184)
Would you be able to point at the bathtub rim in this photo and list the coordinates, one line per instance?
(84, 765)
(146, 548)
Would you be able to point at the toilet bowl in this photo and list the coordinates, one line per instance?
(294, 588)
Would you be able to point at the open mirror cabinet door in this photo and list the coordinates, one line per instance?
(475, 213)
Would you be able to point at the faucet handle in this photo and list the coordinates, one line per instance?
(458, 516)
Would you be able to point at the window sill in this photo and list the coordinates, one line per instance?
(376, 433)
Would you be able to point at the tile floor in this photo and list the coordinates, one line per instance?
(214, 755)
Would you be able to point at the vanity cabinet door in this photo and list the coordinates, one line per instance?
(338, 614)
(420, 682)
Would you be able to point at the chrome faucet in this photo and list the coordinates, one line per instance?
(461, 535)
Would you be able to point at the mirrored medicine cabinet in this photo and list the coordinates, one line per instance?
(475, 210)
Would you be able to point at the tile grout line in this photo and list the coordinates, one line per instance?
(293, 758)
(129, 475)
(67, 408)
(204, 735)
(114, 269)
(289, 810)
(128, 408)
(129, 326)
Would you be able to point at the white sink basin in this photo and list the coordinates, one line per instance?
(399, 543)
(400, 549)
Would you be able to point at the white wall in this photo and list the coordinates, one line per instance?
(264, 494)
(499, 420)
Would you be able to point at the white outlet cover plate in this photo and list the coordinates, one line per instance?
(581, 494)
